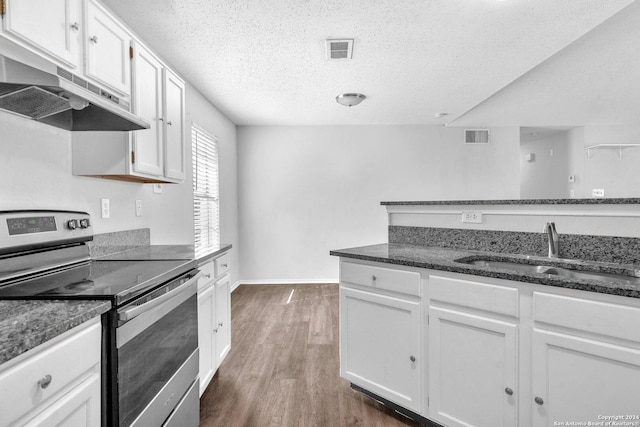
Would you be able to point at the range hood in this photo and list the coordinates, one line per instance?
(52, 95)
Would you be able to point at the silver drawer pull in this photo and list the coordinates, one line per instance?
(508, 391)
(75, 26)
(412, 358)
(94, 39)
(208, 276)
(538, 400)
(44, 381)
(215, 331)
(220, 324)
(373, 277)
(225, 265)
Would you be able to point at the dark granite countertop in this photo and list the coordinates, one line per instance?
(165, 252)
(27, 324)
(598, 201)
(443, 259)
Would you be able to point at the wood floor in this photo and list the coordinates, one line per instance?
(283, 368)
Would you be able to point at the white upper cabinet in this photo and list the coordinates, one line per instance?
(174, 89)
(147, 96)
(107, 49)
(49, 27)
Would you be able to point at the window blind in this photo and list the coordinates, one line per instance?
(206, 200)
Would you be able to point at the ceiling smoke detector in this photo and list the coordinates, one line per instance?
(339, 48)
(350, 99)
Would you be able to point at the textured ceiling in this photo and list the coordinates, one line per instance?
(264, 62)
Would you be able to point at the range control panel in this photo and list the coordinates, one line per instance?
(23, 228)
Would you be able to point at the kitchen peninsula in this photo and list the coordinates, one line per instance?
(444, 324)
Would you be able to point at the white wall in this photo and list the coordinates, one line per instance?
(546, 175)
(307, 190)
(619, 177)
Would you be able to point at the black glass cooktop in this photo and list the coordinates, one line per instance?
(117, 281)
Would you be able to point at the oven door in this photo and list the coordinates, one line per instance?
(157, 352)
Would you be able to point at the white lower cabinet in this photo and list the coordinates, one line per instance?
(500, 353)
(380, 346)
(206, 338)
(214, 321)
(582, 380)
(57, 383)
(223, 318)
(472, 369)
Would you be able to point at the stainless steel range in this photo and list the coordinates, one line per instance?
(150, 336)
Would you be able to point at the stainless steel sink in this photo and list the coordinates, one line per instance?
(525, 266)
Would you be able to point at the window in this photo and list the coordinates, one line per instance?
(206, 200)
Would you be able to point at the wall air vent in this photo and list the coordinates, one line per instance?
(476, 136)
(339, 48)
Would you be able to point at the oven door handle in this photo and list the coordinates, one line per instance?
(145, 315)
(134, 312)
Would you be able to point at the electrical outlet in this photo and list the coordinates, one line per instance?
(472, 217)
(138, 207)
(598, 192)
(157, 188)
(105, 209)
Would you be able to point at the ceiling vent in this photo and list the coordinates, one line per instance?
(476, 136)
(339, 48)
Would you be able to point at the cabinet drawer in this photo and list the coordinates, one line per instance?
(481, 296)
(72, 358)
(609, 319)
(207, 274)
(407, 282)
(222, 264)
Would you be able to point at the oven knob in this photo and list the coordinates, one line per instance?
(84, 223)
(72, 224)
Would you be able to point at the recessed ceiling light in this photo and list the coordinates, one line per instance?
(350, 99)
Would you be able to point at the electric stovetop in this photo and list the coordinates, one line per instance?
(117, 281)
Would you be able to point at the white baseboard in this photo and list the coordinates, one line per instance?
(235, 286)
(287, 282)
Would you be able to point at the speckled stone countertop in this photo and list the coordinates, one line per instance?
(598, 201)
(166, 252)
(443, 259)
(27, 324)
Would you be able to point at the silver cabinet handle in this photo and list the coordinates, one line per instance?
(225, 265)
(538, 400)
(412, 358)
(75, 26)
(215, 331)
(508, 391)
(208, 276)
(373, 277)
(161, 119)
(44, 381)
(94, 39)
(169, 123)
(220, 324)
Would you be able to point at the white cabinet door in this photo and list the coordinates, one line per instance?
(174, 115)
(107, 49)
(223, 318)
(147, 87)
(79, 407)
(472, 370)
(380, 344)
(54, 27)
(579, 379)
(206, 335)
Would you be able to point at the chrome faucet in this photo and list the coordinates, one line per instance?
(552, 237)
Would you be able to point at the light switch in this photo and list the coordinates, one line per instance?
(138, 207)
